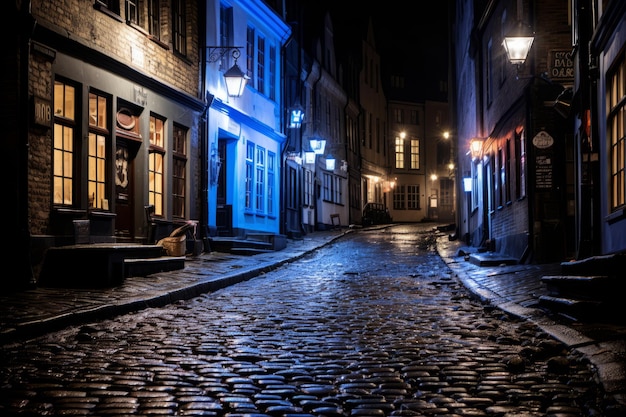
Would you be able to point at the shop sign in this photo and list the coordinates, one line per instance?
(543, 171)
(543, 140)
(560, 65)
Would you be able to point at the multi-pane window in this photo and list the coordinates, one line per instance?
(63, 143)
(489, 72)
(260, 179)
(493, 182)
(406, 197)
(179, 159)
(272, 74)
(413, 197)
(97, 151)
(398, 115)
(507, 173)
(398, 197)
(133, 14)
(415, 154)
(338, 190)
(112, 5)
(327, 118)
(518, 165)
(399, 152)
(154, 18)
(226, 32)
(260, 64)
(370, 130)
(156, 157)
(616, 132)
(378, 135)
(332, 188)
(250, 55)
(291, 195)
(271, 168)
(308, 188)
(414, 118)
(327, 187)
(179, 26)
(475, 185)
(503, 179)
(249, 174)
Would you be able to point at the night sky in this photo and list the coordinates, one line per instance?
(410, 42)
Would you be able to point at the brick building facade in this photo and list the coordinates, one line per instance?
(113, 104)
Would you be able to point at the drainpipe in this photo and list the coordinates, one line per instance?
(316, 193)
(204, 139)
(27, 26)
(284, 122)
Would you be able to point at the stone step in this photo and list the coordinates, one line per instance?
(585, 287)
(596, 265)
(95, 265)
(141, 267)
(253, 243)
(575, 309)
(583, 310)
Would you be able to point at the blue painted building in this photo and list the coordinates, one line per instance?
(244, 133)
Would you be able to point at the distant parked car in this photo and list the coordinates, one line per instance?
(375, 213)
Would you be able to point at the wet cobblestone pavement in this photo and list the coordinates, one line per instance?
(372, 328)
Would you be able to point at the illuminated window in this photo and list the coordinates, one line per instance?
(399, 152)
(616, 132)
(97, 151)
(156, 157)
(415, 154)
(63, 143)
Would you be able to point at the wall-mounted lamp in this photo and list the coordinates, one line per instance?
(517, 45)
(330, 162)
(318, 145)
(476, 148)
(467, 184)
(235, 78)
(296, 116)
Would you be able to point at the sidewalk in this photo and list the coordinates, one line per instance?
(516, 289)
(512, 288)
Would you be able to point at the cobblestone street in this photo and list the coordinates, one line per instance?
(372, 325)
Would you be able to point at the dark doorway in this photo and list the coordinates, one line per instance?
(125, 154)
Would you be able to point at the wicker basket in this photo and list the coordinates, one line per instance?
(174, 245)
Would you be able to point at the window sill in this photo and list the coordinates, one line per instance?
(616, 216)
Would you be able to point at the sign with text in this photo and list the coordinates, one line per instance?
(560, 65)
(42, 112)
